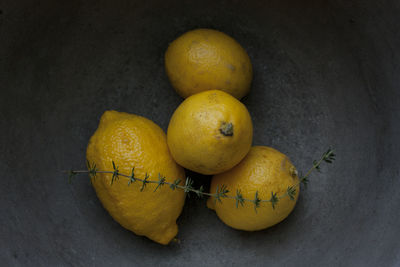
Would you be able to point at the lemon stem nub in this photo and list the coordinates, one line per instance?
(226, 129)
(293, 171)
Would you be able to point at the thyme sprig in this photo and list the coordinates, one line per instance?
(221, 190)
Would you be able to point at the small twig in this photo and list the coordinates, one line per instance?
(221, 191)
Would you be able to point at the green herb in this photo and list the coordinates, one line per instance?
(144, 182)
(71, 175)
(132, 178)
(291, 192)
(256, 201)
(274, 199)
(175, 184)
(115, 174)
(161, 182)
(239, 198)
(221, 191)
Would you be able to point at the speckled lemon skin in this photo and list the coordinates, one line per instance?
(133, 141)
(205, 59)
(264, 170)
(194, 137)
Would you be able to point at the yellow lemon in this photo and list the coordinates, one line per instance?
(205, 59)
(210, 132)
(135, 142)
(263, 170)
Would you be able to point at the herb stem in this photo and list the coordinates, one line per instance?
(221, 192)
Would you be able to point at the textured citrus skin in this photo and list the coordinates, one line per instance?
(134, 141)
(194, 136)
(205, 59)
(264, 170)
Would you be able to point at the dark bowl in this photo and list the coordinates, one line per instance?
(326, 73)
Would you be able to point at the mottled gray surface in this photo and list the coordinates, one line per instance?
(325, 73)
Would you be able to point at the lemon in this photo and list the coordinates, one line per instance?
(205, 59)
(135, 142)
(265, 170)
(210, 132)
